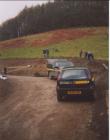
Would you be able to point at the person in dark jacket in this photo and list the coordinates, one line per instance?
(86, 55)
(44, 53)
(5, 71)
(47, 52)
(81, 53)
(90, 56)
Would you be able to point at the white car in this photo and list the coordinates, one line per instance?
(3, 77)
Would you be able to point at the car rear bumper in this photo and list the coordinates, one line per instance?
(76, 91)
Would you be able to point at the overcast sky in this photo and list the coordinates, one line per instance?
(9, 9)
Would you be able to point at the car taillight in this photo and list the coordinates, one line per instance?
(82, 82)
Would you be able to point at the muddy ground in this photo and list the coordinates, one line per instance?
(29, 109)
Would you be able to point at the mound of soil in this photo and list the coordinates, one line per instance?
(53, 37)
(13, 44)
(39, 66)
(62, 35)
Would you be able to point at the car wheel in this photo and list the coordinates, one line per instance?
(59, 96)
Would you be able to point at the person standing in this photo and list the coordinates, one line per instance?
(86, 55)
(5, 71)
(47, 52)
(81, 53)
(44, 53)
(90, 56)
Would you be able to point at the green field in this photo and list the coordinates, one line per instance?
(96, 43)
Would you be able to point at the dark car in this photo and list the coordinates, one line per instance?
(76, 81)
(55, 66)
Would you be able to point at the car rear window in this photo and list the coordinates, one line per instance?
(75, 74)
(63, 64)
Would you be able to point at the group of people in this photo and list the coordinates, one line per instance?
(88, 55)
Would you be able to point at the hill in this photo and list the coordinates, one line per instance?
(56, 15)
(67, 42)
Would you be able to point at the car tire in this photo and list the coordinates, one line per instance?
(59, 96)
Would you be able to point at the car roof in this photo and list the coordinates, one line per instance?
(51, 61)
(75, 68)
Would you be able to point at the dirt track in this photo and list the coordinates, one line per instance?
(32, 112)
(29, 109)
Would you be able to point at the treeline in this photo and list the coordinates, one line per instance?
(55, 15)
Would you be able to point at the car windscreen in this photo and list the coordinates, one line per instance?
(63, 64)
(75, 74)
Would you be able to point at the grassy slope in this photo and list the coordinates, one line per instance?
(97, 43)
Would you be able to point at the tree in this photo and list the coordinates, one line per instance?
(60, 14)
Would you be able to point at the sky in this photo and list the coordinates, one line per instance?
(9, 9)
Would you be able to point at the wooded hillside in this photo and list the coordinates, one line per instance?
(62, 14)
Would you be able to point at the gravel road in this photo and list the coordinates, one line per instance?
(29, 110)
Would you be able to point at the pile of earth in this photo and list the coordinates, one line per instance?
(37, 67)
